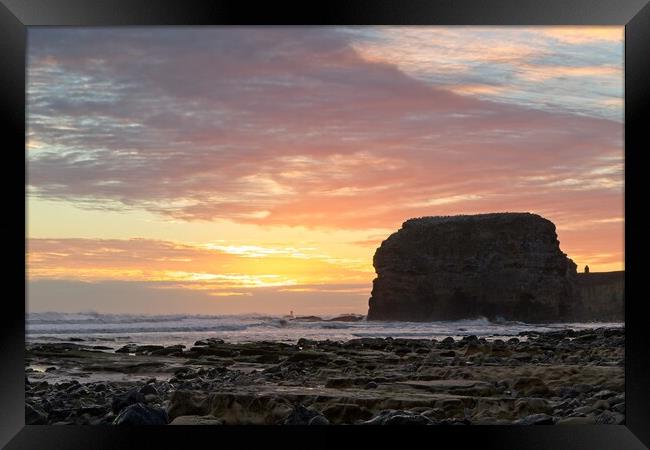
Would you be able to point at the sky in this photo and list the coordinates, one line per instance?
(226, 170)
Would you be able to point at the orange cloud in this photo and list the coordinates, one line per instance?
(584, 34)
(194, 266)
(545, 72)
(474, 89)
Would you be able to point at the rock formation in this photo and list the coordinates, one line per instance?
(500, 266)
(603, 296)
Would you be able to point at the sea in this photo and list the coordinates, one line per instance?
(115, 330)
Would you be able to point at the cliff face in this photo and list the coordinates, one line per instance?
(603, 296)
(503, 265)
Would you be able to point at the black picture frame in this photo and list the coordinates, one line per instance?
(17, 15)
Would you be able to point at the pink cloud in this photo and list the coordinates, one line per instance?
(294, 127)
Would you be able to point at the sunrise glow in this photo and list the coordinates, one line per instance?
(244, 169)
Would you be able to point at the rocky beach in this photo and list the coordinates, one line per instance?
(469, 323)
(535, 378)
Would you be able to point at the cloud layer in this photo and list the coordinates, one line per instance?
(303, 126)
(570, 69)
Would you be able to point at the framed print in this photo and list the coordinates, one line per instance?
(245, 223)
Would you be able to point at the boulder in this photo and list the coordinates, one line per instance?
(126, 399)
(140, 414)
(128, 348)
(305, 416)
(346, 413)
(346, 318)
(196, 420)
(610, 418)
(500, 266)
(318, 420)
(535, 419)
(589, 420)
(148, 389)
(393, 417)
(34, 416)
(171, 350)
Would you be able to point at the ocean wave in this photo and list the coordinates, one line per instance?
(96, 327)
(80, 318)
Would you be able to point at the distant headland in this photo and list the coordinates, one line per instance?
(501, 266)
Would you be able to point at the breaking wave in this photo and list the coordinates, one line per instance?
(93, 327)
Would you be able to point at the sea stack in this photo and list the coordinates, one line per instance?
(500, 266)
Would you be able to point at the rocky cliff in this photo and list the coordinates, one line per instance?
(502, 265)
(603, 296)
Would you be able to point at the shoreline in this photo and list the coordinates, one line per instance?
(556, 377)
(116, 330)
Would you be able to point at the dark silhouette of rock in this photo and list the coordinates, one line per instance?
(34, 416)
(346, 318)
(535, 419)
(500, 266)
(392, 417)
(586, 269)
(307, 319)
(148, 389)
(128, 398)
(603, 296)
(139, 414)
(305, 416)
(128, 348)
